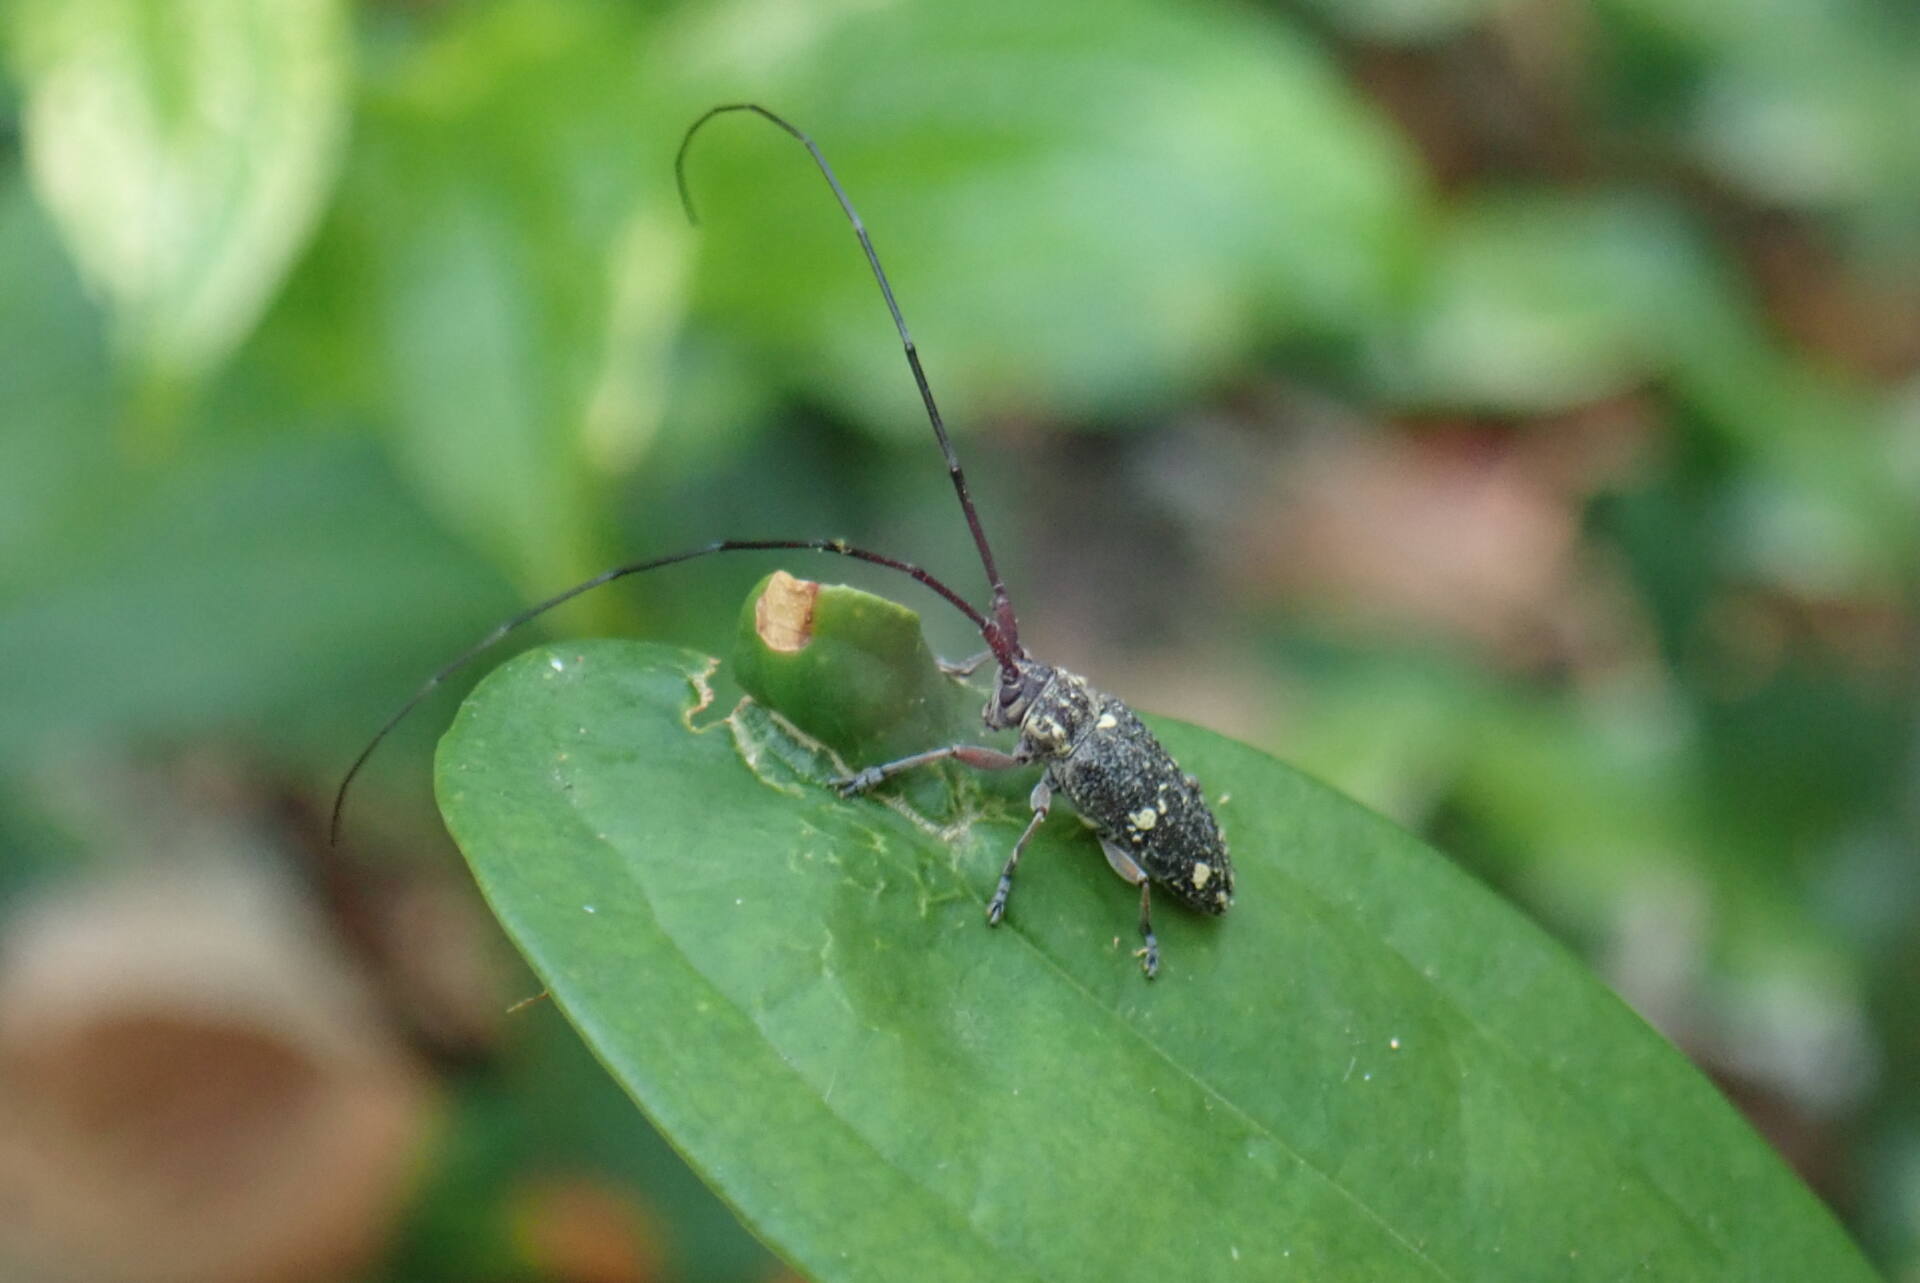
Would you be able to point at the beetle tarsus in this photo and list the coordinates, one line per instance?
(862, 781)
(997, 907)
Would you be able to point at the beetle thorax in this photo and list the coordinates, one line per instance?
(1015, 694)
(1052, 708)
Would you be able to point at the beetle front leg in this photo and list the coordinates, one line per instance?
(1042, 801)
(974, 755)
(966, 667)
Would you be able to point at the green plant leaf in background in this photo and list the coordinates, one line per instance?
(1535, 301)
(1371, 1069)
(185, 148)
(54, 379)
(279, 592)
(525, 264)
(1090, 207)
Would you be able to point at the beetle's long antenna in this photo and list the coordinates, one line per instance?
(1003, 620)
(1002, 649)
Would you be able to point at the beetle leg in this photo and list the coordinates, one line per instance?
(974, 755)
(1122, 863)
(1042, 802)
(966, 667)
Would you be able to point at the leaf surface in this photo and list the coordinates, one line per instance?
(1083, 206)
(1370, 1069)
(185, 149)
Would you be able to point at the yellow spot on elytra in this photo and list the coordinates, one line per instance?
(1201, 872)
(1144, 818)
(1107, 721)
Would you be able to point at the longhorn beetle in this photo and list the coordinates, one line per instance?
(1152, 819)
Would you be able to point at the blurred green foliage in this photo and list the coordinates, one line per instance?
(1508, 412)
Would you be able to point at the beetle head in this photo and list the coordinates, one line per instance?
(1014, 693)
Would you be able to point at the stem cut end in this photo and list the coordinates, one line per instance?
(783, 612)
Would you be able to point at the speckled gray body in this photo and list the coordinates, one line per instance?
(1119, 778)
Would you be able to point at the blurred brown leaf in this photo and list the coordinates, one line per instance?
(1459, 530)
(194, 1087)
(577, 1230)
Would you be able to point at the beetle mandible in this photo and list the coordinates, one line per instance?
(1151, 818)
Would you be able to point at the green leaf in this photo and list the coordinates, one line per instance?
(525, 264)
(54, 406)
(1536, 301)
(1088, 206)
(863, 683)
(277, 592)
(847, 667)
(1370, 1069)
(185, 148)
